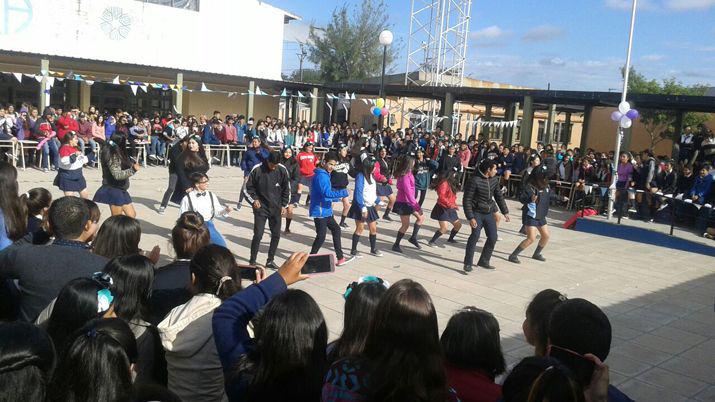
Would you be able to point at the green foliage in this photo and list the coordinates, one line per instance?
(348, 48)
(660, 124)
(309, 75)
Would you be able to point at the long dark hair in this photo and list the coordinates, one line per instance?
(96, 366)
(210, 265)
(368, 166)
(36, 200)
(119, 235)
(450, 176)
(289, 361)
(27, 361)
(402, 350)
(404, 165)
(14, 211)
(359, 308)
(471, 342)
(538, 178)
(116, 148)
(133, 277)
(76, 304)
(189, 234)
(192, 159)
(538, 314)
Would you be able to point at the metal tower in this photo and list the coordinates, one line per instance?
(436, 52)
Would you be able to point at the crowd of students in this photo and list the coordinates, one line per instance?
(111, 325)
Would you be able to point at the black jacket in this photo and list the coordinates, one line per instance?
(448, 163)
(184, 172)
(293, 169)
(542, 202)
(480, 195)
(339, 176)
(272, 189)
(667, 182)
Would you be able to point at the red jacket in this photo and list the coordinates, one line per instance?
(231, 135)
(65, 124)
(472, 386)
(307, 163)
(446, 198)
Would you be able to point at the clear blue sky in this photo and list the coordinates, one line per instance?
(577, 45)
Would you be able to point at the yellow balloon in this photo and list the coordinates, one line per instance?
(380, 102)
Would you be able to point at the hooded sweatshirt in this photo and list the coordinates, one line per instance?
(195, 372)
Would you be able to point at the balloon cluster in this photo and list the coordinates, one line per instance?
(624, 115)
(379, 109)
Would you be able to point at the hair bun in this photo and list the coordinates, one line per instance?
(191, 220)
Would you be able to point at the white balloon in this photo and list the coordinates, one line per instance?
(624, 107)
(626, 122)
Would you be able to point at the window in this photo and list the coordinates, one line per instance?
(542, 131)
(562, 132)
(192, 5)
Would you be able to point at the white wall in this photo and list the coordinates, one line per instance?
(219, 38)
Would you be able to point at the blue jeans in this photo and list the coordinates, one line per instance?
(50, 150)
(216, 237)
(487, 222)
(157, 147)
(90, 154)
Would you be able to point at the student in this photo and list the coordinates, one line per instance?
(255, 155)
(535, 200)
(363, 209)
(538, 314)
(37, 201)
(174, 152)
(191, 160)
(13, 212)
(339, 180)
(542, 379)
(322, 197)
(291, 165)
(361, 300)
(480, 196)
(206, 203)
(449, 159)
(194, 368)
(423, 171)
(285, 360)
(473, 355)
(42, 270)
(27, 362)
(381, 174)
(120, 235)
(268, 190)
(380, 372)
(69, 177)
(445, 210)
(307, 162)
(116, 171)
(406, 204)
(172, 282)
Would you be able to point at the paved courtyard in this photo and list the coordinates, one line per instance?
(660, 301)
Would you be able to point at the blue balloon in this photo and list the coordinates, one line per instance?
(376, 111)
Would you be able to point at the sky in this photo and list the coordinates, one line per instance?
(567, 44)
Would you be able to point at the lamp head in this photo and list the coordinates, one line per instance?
(386, 38)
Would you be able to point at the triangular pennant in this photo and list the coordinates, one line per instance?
(231, 94)
(89, 82)
(134, 89)
(372, 101)
(329, 96)
(347, 96)
(364, 101)
(300, 95)
(258, 91)
(312, 95)
(352, 96)
(203, 88)
(115, 81)
(144, 88)
(43, 72)
(18, 76)
(51, 81)
(284, 92)
(60, 79)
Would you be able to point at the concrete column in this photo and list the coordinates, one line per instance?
(566, 137)
(447, 109)
(335, 104)
(249, 102)
(178, 95)
(550, 123)
(294, 108)
(71, 93)
(487, 130)
(85, 96)
(527, 122)
(512, 111)
(44, 86)
(314, 105)
(585, 130)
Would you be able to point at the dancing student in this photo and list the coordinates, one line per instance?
(291, 165)
(423, 171)
(363, 209)
(406, 204)
(307, 162)
(339, 180)
(174, 152)
(480, 196)
(322, 197)
(191, 160)
(254, 155)
(69, 177)
(116, 171)
(206, 203)
(382, 175)
(268, 190)
(450, 159)
(535, 197)
(445, 210)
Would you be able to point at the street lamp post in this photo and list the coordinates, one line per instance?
(385, 41)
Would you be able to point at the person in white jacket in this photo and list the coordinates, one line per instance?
(194, 369)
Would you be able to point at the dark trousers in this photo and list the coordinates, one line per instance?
(321, 228)
(487, 222)
(170, 190)
(259, 226)
(420, 195)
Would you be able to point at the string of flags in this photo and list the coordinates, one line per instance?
(479, 120)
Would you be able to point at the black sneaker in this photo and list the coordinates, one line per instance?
(387, 218)
(431, 244)
(396, 248)
(486, 266)
(344, 225)
(467, 268)
(271, 265)
(453, 241)
(376, 253)
(415, 243)
(539, 257)
(354, 253)
(514, 259)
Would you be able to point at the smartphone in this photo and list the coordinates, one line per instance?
(247, 272)
(319, 264)
(579, 365)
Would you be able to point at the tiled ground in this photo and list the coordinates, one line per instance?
(660, 301)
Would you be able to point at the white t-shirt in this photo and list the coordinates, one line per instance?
(207, 204)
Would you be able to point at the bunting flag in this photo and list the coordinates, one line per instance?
(352, 97)
(144, 88)
(89, 82)
(258, 91)
(134, 89)
(38, 78)
(300, 95)
(284, 93)
(43, 72)
(51, 81)
(364, 100)
(115, 81)
(18, 76)
(312, 95)
(203, 88)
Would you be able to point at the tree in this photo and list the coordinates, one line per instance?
(309, 75)
(660, 124)
(348, 48)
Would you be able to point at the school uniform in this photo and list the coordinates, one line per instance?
(380, 174)
(445, 210)
(208, 205)
(534, 213)
(364, 200)
(115, 183)
(406, 204)
(306, 163)
(69, 176)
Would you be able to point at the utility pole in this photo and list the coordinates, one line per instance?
(302, 55)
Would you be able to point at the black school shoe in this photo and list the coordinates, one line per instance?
(486, 266)
(467, 268)
(271, 265)
(539, 257)
(415, 243)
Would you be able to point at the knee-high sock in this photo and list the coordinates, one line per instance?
(342, 219)
(415, 230)
(373, 242)
(400, 235)
(538, 250)
(452, 234)
(436, 236)
(387, 212)
(288, 221)
(517, 251)
(356, 240)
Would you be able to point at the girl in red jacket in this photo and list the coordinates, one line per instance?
(307, 161)
(445, 211)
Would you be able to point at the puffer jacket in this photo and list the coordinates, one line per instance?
(322, 195)
(480, 195)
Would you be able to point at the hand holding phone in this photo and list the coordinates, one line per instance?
(291, 269)
(581, 366)
(319, 264)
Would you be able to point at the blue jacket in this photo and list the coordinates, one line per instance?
(251, 158)
(322, 195)
(358, 193)
(240, 132)
(208, 137)
(229, 327)
(701, 187)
